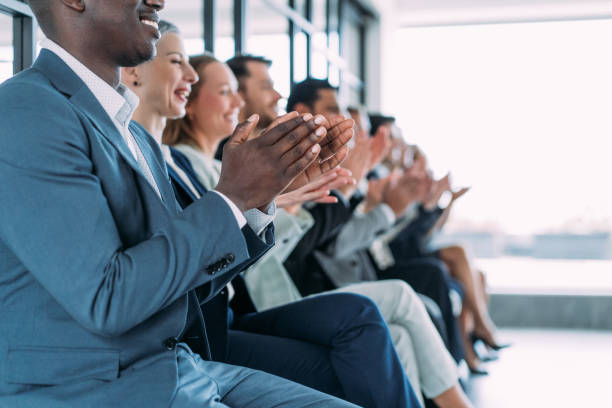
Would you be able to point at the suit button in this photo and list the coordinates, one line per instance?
(170, 343)
(211, 269)
(229, 258)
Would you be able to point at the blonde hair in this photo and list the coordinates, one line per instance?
(180, 130)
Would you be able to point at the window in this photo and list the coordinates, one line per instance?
(267, 35)
(319, 40)
(520, 112)
(224, 30)
(352, 43)
(6, 47)
(17, 37)
(187, 16)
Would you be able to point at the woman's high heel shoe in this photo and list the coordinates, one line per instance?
(477, 369)
(494, 346)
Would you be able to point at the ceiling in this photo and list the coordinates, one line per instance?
(449, 12)
(187, 13)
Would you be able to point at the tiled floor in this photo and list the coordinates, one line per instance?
(548, 368)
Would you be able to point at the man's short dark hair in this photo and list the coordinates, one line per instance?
(377, 120)
(307, 92)
(238, 64)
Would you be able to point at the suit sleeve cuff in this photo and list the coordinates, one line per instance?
(240, 219)
(258, 220)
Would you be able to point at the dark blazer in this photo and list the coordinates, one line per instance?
(215, 311)
(95, 267)
(301, 264)
(412, 241)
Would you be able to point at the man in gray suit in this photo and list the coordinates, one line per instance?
(96, 260)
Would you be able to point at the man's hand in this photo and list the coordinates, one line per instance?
(318, 190)
(255, 171)
(376, 190)
(459, 193)
(333, 151)
(438, 188)
(405, 189)
(379, 146)
(359, 156)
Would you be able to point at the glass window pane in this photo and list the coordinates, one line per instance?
(318, 66)
(267, 35)
(6, 47)
(520, 112)
(187, 16)
(334, 48)
(334, 40)
(300, 7)
(350, 47)
(224, 30)
(299, 61)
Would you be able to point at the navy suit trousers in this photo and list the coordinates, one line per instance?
(337, 343)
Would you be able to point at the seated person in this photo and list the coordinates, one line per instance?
(96, 290)
(321, 342)
(420, 348)
(414, 242)
(342, 258)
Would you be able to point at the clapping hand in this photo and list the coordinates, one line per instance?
(404, 189)
(438, 188)
(459, 193)
(318, 190)
(333, 150)
(256, 171)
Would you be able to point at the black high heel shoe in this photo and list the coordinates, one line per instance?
(493, 346)
(477, 370)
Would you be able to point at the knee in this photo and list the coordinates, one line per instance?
(453, 253)
(397, 289)
(360, 305)
(482, 276)
(404, 292)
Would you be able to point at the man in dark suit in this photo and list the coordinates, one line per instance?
(315, 273)
(97, 260)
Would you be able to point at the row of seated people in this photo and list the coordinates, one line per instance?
(322, 241)
(121, 267)
(411, 239)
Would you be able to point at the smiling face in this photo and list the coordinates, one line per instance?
(326, 104)
(215, 109)
(259, 94)
(165, 82)
(124, 31)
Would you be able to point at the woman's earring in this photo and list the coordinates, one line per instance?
(136, 83)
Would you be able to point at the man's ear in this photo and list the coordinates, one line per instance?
(77, 5)
(301, 108)
(131, 76)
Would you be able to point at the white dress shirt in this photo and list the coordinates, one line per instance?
(120, 105)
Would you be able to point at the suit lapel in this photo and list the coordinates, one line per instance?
(69, 83)
(159, 173)
(85, 102)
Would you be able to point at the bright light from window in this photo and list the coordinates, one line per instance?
(520, 112)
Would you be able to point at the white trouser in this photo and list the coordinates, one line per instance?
(426, 361)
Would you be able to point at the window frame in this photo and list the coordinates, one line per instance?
(24, 33)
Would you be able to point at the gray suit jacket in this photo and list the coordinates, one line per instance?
(345, 260)
(94, 267)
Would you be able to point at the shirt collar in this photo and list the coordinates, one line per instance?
(119, 103)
